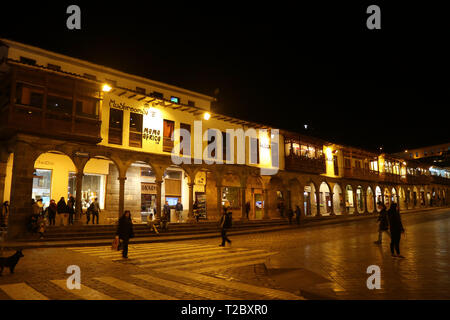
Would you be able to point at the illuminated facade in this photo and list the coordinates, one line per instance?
(70, 127)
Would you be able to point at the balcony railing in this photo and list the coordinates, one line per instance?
(439, 180)
(361, 173)
(305, 164)
(417, 179)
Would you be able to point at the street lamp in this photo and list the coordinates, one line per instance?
(206, 115)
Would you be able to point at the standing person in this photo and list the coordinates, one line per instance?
(396, 228)
(282, 209)
(71, 209)
(195, 209)
(51, 210)
(384, 223)
(225, 223)
(290, 214)
(96, 210)
(62, 211)
(125, 231)
(298, 213)
(247, 209)
(165, 216)
(4, 211)
(179, 211)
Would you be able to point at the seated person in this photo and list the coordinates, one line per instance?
(152, 223)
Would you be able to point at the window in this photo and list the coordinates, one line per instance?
(53, 67)
(157, 95)
(93, 187)
(27, 61)
(186, 152)
(231, 194)
(191, 103)
(42, 181)
(347, 163)
(357, 164)
(168, 129)
(417, 154)
(90, 76)
(410, 155)
(140, 90)
(59, 103)
(87, 108)
(335, 165)
(175, 99)
(29, 95)
(147, 172)
(115, 126)
(135, 130)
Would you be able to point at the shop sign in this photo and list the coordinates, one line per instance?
(148, 188)
(45, 163)
(123, 106)
(152, 135)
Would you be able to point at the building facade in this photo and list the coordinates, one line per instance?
(73, 128)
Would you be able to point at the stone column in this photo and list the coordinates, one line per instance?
(266, 203)
(243, 203)
(78, 206)
(332, 204)
(21, 190)
(355, 203)
(3, 166)
(121, 195)
(158, 198)
(318, 203)
(191, 203)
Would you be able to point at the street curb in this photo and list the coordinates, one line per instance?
(310, 222)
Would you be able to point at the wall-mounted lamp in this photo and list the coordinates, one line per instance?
(106, 88)
(206, 115)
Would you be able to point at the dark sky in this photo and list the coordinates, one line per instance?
(280, 65)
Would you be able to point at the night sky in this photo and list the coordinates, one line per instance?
(275, 64)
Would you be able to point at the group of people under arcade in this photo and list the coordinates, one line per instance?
(62, 212)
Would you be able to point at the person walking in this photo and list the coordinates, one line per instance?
(383, 223)
(96, 211)
(195, 209)
(125, 231)
(290, 214)
(247, 209)
(298, 213)
(4, 211)
(51, 210)
(225, 223)
(62, 211)
(396, 228)
(71, 209)
(165, 216)
(179, 211)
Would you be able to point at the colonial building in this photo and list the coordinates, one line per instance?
(73, 128)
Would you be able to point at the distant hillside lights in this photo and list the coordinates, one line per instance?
(213, 152)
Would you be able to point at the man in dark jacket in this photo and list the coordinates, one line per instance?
(71, 209)
(62, 211)
(383, 223)
(396, 228)
(225, 224)
(298, 213)
(125, 231)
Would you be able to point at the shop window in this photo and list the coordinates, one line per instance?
(231, 194)
(29, 95)
(87, 108)
(93, 187)
(187, 151)
(42, 181)
(168, 129)
(60, 104)
(135, 130)
(115, 126)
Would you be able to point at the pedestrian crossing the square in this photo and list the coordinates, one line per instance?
(175, 272)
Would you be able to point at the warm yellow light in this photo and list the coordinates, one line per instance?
(329, 154)
(106, 88)
(206, 115)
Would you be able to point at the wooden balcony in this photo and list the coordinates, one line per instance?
(361, 174)
(50, 105)
(305, 164)
(439, 180)
(417, 179)
(390, 177)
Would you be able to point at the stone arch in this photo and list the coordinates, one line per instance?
(349, 199)
(325, 199)
(310, 198)
(338, 199)
(370, 199)
(255, 196)
(277, 197)
(360, 200)
(394, 195)
(296, 197)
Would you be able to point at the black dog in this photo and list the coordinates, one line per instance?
(10, 262)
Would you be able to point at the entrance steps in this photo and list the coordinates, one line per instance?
(93, 232)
